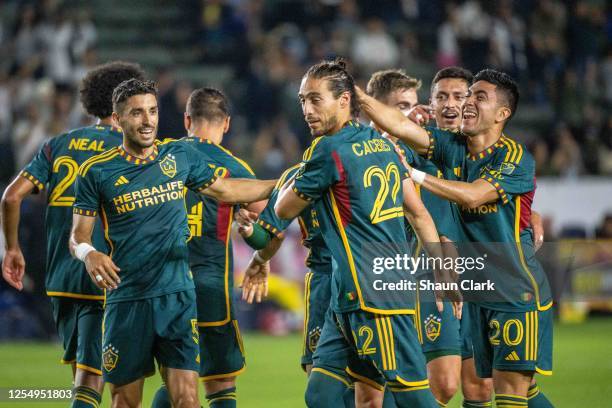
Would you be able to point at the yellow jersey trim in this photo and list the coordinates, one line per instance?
(37, 183)
(217, 376)
(75, 296)
(102, 157)
(88, 368)
(364, 380)
(307, 280)
(332, 375)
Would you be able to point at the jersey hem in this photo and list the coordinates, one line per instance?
(149, 296)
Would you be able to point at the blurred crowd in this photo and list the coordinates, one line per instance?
(559, 51)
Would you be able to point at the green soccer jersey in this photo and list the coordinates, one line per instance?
(142, 206)
(319, 258)
(210, 221)
(442, 211)
(355, 177)
(55, 167)
(503, 226)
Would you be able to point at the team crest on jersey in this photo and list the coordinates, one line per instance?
(433, 324)
(168, 166)
(110, 357)
(313, 338)
(507, 168)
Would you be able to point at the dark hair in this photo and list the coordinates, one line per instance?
(453, 72)
(98, 85)
(504, 85)
(338, 79)
(382, 83)
(209, 104)
(129, 88)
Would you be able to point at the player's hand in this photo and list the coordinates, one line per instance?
(245, 219)
(420, 114)
(255, 282)
(102, 270)
(454, 296)
(13, 268)
(538, 232)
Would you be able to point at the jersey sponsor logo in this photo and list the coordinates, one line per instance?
(433, 326)
(110, 357)
(481, 209)
(121, 180)
(313, 338)
(168, 166)
(146, 197)
(85, 144)
(370, 146)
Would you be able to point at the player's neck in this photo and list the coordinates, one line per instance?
(107, 121)
(212, 133)
(138, 151)
(483, 140)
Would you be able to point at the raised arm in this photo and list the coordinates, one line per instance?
(13, 264)
(100, 267)
(394, 122)
(469, 195)
(238, 190)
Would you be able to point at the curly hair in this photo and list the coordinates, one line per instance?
(98, 85)
(129, 88)
(338, 77)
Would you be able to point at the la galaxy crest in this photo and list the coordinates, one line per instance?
(433, 324)
(313, 338)
(110, 357)
(168, 166)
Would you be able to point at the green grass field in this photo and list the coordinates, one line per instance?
(582, 366)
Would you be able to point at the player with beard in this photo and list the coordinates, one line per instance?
(353, 177)
(138, 191)
(484, 166)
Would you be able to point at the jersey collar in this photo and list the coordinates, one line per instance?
(488, 150)
(137, 160)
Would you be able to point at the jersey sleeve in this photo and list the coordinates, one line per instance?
(38, 171)
(268, 218)
(318, 170)
(87, 193)
(201, 174)
(512, 172)
(443, 146)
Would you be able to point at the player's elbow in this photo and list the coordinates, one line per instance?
(473, 201)
(11, 198)
(283, 211)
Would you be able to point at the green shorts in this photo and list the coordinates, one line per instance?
(379, 349)
(79, 325)
(316, 302)
(439, 332)
(511, 341)
(221, 351)
(136, 332)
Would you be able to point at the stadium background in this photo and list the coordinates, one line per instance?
(257, 51)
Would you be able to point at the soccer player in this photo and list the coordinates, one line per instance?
(492, 179)
(76, 301)
(353, 175)
(439, 332)
(328, 382)
(138, 190)
(207, 119)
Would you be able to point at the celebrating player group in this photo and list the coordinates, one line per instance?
(139, 255)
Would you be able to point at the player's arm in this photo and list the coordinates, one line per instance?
(100, 267)
(538, 229)
(394, 122)
(13, 264)
(255, 283)
(238, 190)
(289, 204)
(470, 195)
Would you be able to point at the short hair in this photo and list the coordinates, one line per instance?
(98, 85)
(208, 104)
(505, 85)
(382, 83)
(129, 88)
(338, 78)
(452, 73)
